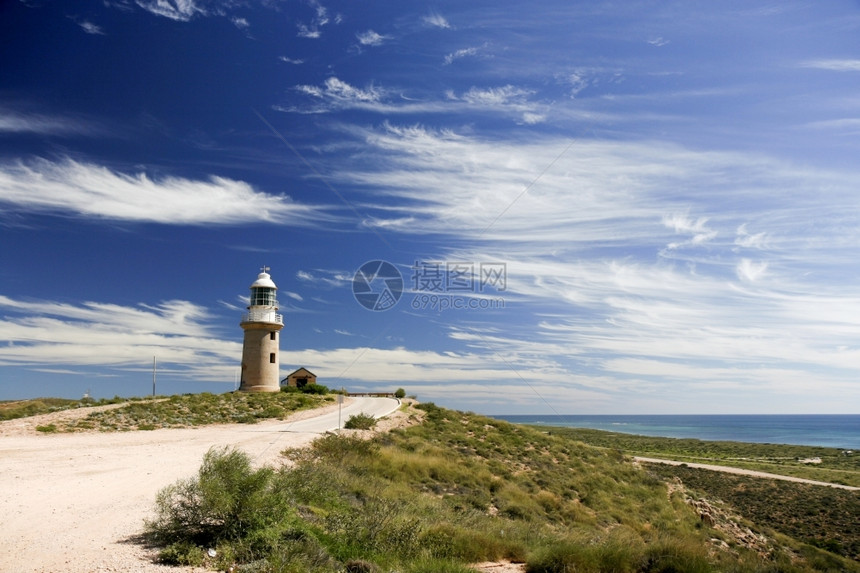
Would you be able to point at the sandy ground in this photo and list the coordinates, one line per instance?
(745, 472)
(76, 502)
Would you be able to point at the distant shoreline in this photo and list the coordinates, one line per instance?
(839, 431)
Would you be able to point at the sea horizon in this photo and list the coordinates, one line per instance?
(840, 431)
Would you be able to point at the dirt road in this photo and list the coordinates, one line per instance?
(72, 502)
(741, 471)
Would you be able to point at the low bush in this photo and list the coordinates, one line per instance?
(314, 389)
(360, 422)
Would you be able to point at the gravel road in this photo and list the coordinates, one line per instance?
(74, 503)
(741, 471)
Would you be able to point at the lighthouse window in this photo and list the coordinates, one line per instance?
(273, 336)
(263, 296)
(272, 357)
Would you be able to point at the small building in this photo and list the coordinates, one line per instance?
(300, 378)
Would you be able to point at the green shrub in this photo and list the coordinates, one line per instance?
(360, 422)
(400, 393)
(314, 389)
(47, 428)
(182, 553)
(227, 500)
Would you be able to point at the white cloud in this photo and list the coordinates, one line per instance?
(496, 96)
(371, 38)
(659, 41)
(95, 191)
(295, 61)
(462, 53)
(437, 20)
(321, 18)
(681, 223)
(834, 65)
(337, 94)
(240, 23)
(310, 32)
(90, 28)
(15, 121)
(179, 10)
(531, 118)
(750, 271)
(748, 240)
(46, 333)
(326, 278)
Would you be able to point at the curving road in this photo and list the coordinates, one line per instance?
(72, 502)
(746, 472)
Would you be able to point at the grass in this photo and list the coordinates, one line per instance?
(13, 409)
(835, 466)
(455, 490)
(181, 411)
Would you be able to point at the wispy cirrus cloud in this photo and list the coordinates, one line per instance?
(682, 223)
(336, 94)
(288, 60)
(584, 227)
(313, 29)
(179, 10)
(18, 121)
(41, 333)
(90, 27)
(469, 52)
(89, 190)
(241, 23)
(608, 191)
(371, 38)
(834, 65)
(436, 20)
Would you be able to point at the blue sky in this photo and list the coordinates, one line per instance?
(667, 194)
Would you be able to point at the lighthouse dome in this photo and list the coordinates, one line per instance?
(264, 280)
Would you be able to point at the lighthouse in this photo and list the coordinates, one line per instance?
(262, 325)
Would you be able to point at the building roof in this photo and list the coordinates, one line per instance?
(299, 370)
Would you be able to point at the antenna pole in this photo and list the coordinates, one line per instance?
(153, 375)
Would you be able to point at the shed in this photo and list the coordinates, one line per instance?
(300, 378)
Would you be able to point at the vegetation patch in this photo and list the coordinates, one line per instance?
(13, 409)
(360, 421)
(826, 517)
(182, 411)
(455, 490)
(835, 466)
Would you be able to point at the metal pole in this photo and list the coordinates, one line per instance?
(153, 375)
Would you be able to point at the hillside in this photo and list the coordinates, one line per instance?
(460, 489)
(456, 492)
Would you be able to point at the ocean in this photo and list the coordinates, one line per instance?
(834, 431)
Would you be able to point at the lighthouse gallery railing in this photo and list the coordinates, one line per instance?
(263, 316)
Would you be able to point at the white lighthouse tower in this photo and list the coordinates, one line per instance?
(262, 325)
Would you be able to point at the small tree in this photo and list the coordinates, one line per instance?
(399, 393)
